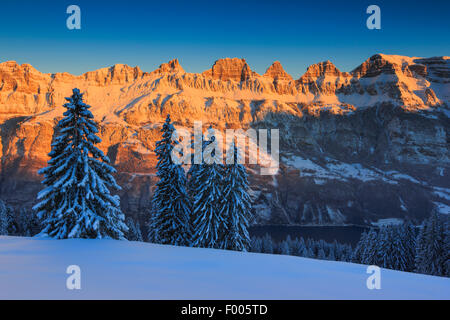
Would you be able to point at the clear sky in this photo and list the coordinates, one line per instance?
(148, 33)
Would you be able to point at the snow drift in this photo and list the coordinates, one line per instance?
(33, 268)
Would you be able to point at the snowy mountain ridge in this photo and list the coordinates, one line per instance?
(413, 83)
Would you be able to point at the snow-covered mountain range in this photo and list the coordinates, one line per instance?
(355, 146)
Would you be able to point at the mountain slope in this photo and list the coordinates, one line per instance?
(387, 119)
(36, 269)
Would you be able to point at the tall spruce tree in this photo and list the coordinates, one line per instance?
(404, 247)
(371, 252)
(194, 181)
(386, 247)
(432, 254)
(169, 223)
(358, 254)
(235, 207)
(208, 222)
(399, 256)
(76, 202)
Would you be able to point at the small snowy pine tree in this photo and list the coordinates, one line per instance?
(134, 230)
(4, 221)
(347, 253)
(76, 202)
(301, 249)
(267, 244)
(256, 244)
(285, 248)
(321, 254)
(331, 255)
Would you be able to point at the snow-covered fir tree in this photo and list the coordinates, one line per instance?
(331, 255)
(301, 249)
(267, 244)
(194, 181)
(433, 251)
(134, 230)
(385, 247)
(285, 248)
(403, 251)
(169, 223)
(371, 249)
(27, 223)
(256, 244)
(208, 223)
(321, 254)
(409, 235)
(235, 206)
(312, 248)
(77, 202)
(321, 248)
(347, 253)
(4, 220)
(293, 245)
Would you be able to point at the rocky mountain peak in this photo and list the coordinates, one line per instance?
(436, 69)
(20, 78)
(376, 65)
(172, 66)
(326, 68)
(276, 72)
(117, 74)
(119, 70)
(9, 65)
(230, 69)
(12, 67)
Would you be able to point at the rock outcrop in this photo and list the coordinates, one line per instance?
(230, 69)
(276, 72)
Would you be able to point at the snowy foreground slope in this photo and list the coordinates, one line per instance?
(36, 269)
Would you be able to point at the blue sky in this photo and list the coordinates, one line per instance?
(148, 33)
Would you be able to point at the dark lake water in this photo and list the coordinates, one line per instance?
(342, 234)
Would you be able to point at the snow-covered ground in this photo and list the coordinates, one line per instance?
(33, 268)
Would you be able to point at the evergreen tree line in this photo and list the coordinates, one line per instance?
(26, 223)
(208, 207)
(316, 249)
(403, 247)
(18, 223)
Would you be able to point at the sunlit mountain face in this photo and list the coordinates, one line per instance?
(355, 147)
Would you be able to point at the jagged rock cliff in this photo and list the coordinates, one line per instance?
(356, 146)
